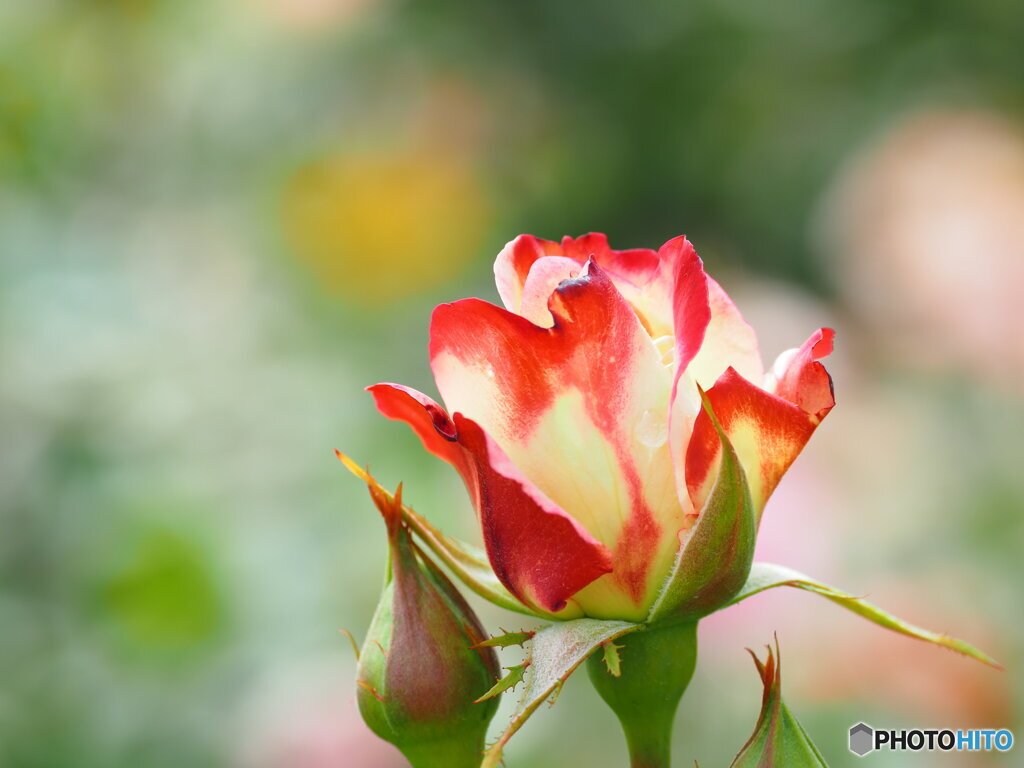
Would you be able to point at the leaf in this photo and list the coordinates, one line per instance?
(555, 652)
(511, 680)
(778, 738)
(467, 562)
(714, 560)
(768, 575)
(506, 640)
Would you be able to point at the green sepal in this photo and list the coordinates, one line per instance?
(768, 575)
(554, 653)
(778, 738)
(715, 556)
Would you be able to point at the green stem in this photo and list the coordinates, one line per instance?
(657, 665)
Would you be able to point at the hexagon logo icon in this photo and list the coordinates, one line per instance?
(862, 739)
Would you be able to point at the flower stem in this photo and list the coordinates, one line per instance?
(656, 667)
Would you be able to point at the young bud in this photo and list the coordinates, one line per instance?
(419, 673)
(778, 738)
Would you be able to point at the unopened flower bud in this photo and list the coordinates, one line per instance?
(419, 672)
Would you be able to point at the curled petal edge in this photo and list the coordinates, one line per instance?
(801, 379)
(539, 552)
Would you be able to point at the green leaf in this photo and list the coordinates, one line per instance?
(555, 652)
(467, 562)
(767, 575)
(714, 560)
(778, 738)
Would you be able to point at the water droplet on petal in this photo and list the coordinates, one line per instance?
(652, 429)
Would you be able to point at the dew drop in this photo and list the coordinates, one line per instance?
(652, 429)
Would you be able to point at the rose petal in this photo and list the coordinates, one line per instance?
(691, 308)
(581, 409)
(686, 286)
(428, 419)
(512, 266)
(635, 272)
(545, 275)
(636, 265)
(799, 378)
(767, 432)
(537, 551)
(728, 341)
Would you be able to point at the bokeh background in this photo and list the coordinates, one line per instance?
(220, 220)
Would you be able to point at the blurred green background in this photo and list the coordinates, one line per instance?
(220, 220)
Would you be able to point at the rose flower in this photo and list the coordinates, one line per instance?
(589, 419)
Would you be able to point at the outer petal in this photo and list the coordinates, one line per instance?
(428, 419)
(767, 432)
(538, 552)
(581, 409)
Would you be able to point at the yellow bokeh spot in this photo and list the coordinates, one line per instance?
(378, 228)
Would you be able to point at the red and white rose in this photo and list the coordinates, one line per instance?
(574, 415)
